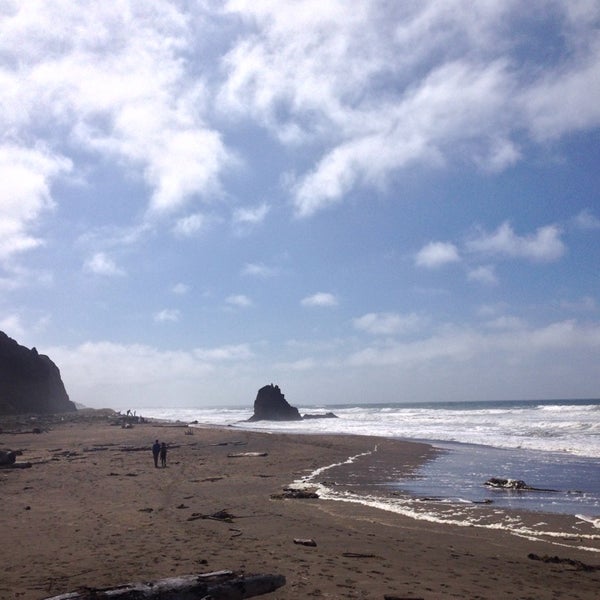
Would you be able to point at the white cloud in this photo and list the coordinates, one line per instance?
(13, 326)
(239, 300)
(483, 274)
(586, 220)
(376, 89)
(543, 246)
(513, 342)
(563, 100)
(27, 175)
(17, 277)
(180, 289)
(110, 364)
(388, 323)
(437, 254)
(114, 82)
(167, 315)
(224, 353)
(320, 299)
(248, 218)
(101, 264)
(259, 270)
(389, 84)
(190, 225)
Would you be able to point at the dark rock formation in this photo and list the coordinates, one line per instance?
(507, 484)
(7, 457)
(271, 405)
(29, 382)
(327, 415)
(513, 484)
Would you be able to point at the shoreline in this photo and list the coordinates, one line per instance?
(93, 511)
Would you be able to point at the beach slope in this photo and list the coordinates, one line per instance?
(94, 511)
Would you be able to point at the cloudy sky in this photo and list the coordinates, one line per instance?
(360, 201)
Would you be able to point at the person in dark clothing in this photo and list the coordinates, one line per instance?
(155, 452)
(163, 455)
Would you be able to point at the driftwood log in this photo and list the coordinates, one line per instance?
(246, 454)
(219, 585)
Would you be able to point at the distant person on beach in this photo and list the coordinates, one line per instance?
(155, 452)
(163, 455)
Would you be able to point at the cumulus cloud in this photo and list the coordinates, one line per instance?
(12, 325)
(251, 215)
(512, 342)
(180, 289)
(450, 79)
(586, 220)
(437, 254)
(113, 82)
(238, 300)
(259, 270)
(485, 274)
(224, 353)
(324, 299)
(27, 175)
(376, 89)
(388, 323)
(167, 315)
(106, 363)
(545, 245)
(102, 264)
(190, 225)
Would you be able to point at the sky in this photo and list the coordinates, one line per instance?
(367, 201)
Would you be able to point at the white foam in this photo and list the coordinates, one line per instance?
(566, 428)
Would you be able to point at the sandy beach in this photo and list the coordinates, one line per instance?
(94, 511)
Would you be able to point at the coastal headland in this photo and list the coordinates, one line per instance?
(92, 510)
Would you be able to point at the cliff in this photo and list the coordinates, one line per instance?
(29, 382)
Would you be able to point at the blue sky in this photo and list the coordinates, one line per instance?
(362, 202)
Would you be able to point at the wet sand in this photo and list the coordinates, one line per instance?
(93, 511)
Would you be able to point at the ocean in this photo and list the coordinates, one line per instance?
(550, 445)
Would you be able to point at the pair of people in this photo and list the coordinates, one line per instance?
(159, 450)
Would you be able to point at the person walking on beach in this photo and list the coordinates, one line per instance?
(155, 452)
(163, 455)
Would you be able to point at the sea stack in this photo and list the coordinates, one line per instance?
(271, 405)
(30, 383)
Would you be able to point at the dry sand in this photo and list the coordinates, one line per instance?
(93, 511)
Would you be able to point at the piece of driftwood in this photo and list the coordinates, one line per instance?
(246, 454)
(294, 493)
(25, 465)
(357, 555)
(307, 542)
(577, 564)
(234, 443)
(220, 585)
(220, 515)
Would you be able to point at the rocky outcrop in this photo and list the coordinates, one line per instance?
(271, 405)
(327, 415)
(29, 382)
(513, 484)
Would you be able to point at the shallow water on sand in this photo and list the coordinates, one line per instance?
(450, 489)
(458, 474)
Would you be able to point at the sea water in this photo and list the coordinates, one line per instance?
(551, 445)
